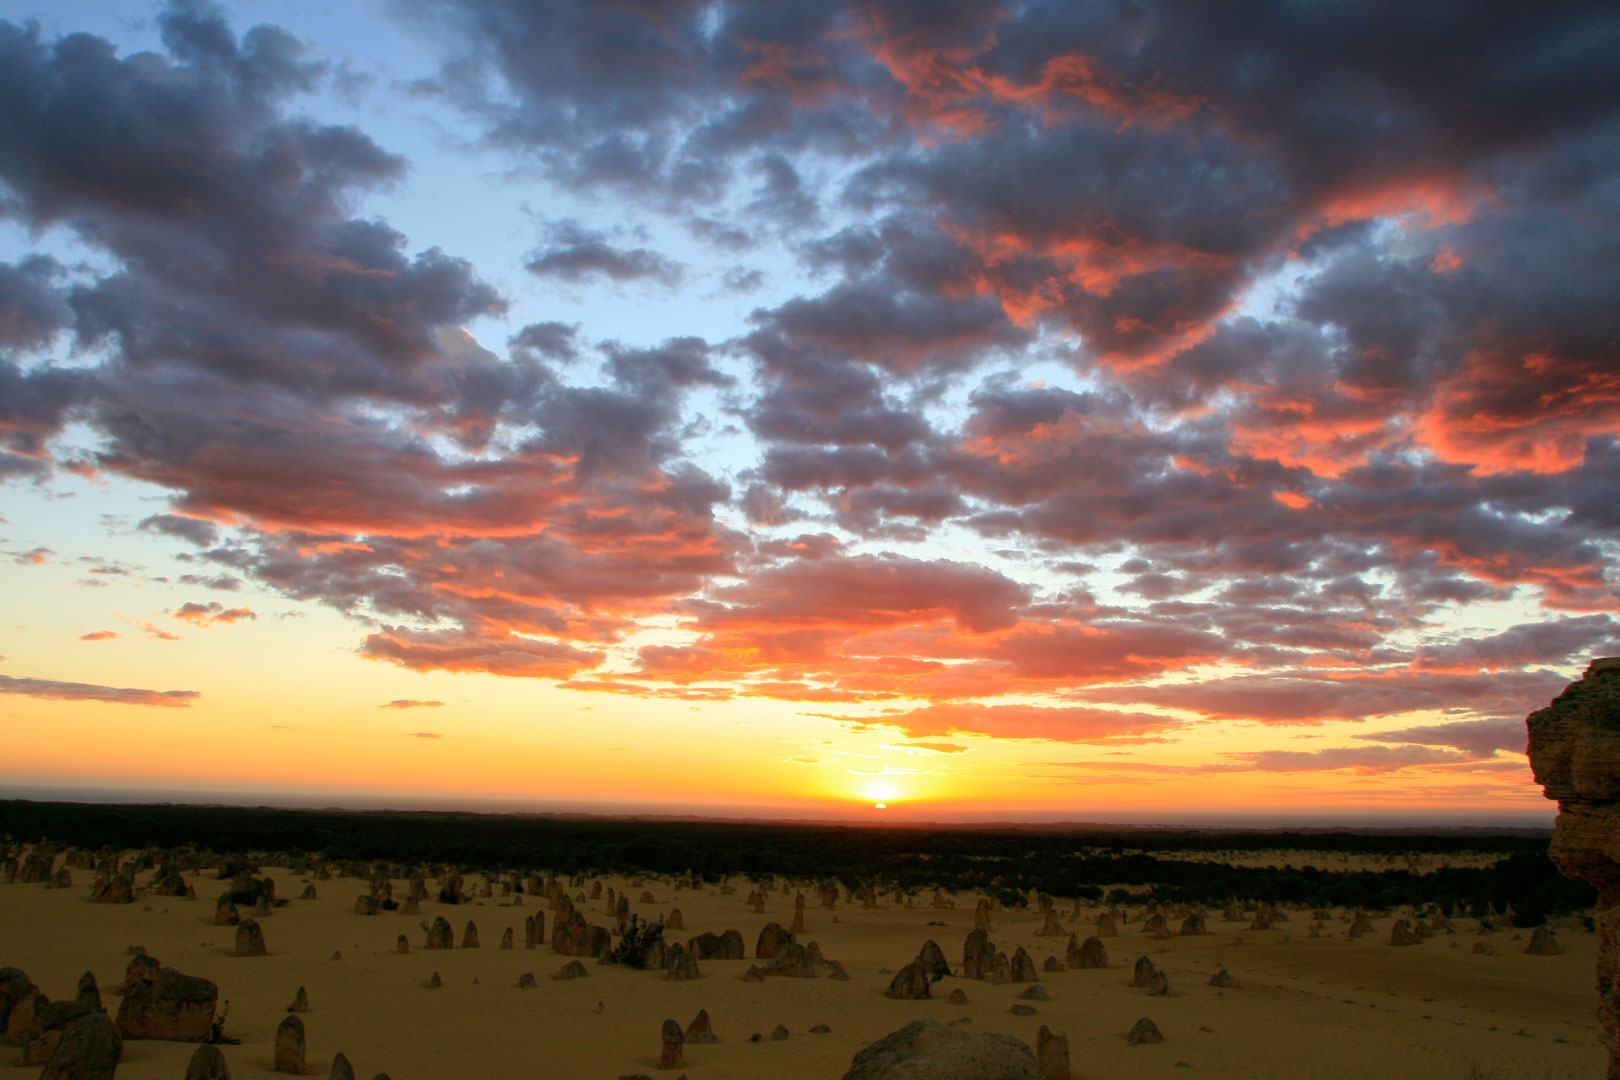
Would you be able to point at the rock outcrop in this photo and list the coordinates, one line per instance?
(89, 1050)
(1575, 756)
(168, 1005)
(290, 1046)
(929, 1048)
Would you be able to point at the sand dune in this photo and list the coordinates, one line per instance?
(1325, 1007)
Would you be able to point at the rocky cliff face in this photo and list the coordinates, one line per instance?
(1575, 755)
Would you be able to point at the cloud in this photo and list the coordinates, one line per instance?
(1363, 760)
(54, 690)
(1055, 724)
(211, 613)
(99, 635)
(936, 747)
(408, 703)
(576, 254)
(1480, 738)
(426, 735)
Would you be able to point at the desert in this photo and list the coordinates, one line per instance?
(455, 988)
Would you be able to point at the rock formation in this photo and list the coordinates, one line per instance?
(1090, 954)
(927, 1048)
(673, 1056)
(341, 1069)
(469, 937)
(89, 1050)
(1402, 934)
(1575, 756)
(89, 994)
(931, 958)
(440, 935)
(981, 915)
(1106, 926)
(1144, 1031)
(249, 938)
(681, 964)
(207, 1064)
(290, 1046)
(700, 1030)
(1223, 978)
(1051, 927)
(44, 1032)
(571, 970)
(300, 1002)
(1052, 1055)
(168, 1005)
(977, 955)
(506, 938)
(674, 921)
(771, 939)
(1021, 966)
(909, 983)
(1542, 943)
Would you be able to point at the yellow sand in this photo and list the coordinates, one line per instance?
(1307, 1008)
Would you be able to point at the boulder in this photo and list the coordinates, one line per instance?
(225, 913)
(51, 1019)
(1051, 927)
(793, 960)
(440, 935)
(1144, 1031)
(981, 915)
(977, 955)
(469, 936)
(1193, 924)
(673, 1056)
(402, 944)
(307, 894)
(1106, 927)
(674, 920)
(1052, 964)
(1402, 934)
(958, 997)
(700, 1030)
(1158, 985)
(1090, 954)
(909, 983)
(89, 994)
(1052, 1055)
(681, 964)
(1542, 943)
(1021, 966)
(1035, 993)
(290, 1046)
(15, 986)
(1143, 973)
(931, 958)
(507, 938)
(341, 1069)
(207, 1063)
(571, 970)
(771, 939)
(168, 1005)
(712, 946)
(89, 1049)
(526, 981)
(249, 938)
(931, 1050)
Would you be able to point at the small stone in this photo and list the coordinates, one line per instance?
(821, 1029)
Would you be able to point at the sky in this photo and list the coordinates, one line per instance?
(1143, 412)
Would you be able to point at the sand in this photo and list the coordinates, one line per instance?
(1325, 1008)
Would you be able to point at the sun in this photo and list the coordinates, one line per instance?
(880, 806)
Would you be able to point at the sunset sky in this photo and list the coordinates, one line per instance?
(1159, 411)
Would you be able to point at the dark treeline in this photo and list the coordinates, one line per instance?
(1079, 862)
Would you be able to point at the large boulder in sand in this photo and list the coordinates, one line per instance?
(51, 1019)
(794, 961)
(771, 939)
(207, 1064)
(909, 983)
(290, 1046)
(168, 1005)
(931, 958)
(440, 935)
(89, 1050)
(928, 1050)
(249, 938)
(1052, 1055)
(1403, 934)
(712, 946)
(978, 955)
(1143, 1032)
(1144, 972)
(15, 986)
